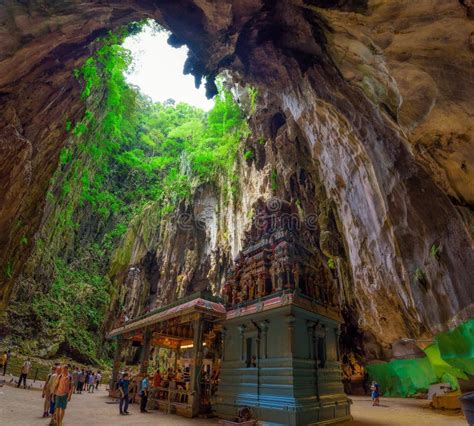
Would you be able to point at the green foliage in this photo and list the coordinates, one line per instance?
(65, 156)
(248, 154)
(135, 152)
(76, 304)
(420, 276)
(68, 126)
(331, 263)
(253, 93)
(24, 240)
(435, 252)
(9, 270)
(79, 129)
(274, 182)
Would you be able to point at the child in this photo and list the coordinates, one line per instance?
(375, 388)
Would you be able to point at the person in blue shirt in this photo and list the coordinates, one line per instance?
(375, 388)
(144, 388)
(123, 388)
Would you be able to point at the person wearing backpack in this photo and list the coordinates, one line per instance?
(46, 394)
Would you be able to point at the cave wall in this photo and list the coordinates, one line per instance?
(372, 99)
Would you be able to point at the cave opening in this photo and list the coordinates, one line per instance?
(145, 140)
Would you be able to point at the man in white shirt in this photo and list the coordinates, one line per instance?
(24, 373)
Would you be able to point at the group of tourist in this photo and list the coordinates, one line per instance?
(85, 380)
(61, 384)
(172, 384)
(130, 386)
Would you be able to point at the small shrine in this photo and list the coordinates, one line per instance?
(280, 336)
(188, 330)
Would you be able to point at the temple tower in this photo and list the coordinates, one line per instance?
(280, 355)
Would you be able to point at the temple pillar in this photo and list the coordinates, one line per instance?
(241, 332)
(145, 355)
(223, 334)
(290, 321)
(264, 330)
(116, 365)
(195, 384)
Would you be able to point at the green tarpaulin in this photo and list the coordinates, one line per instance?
(450, 357)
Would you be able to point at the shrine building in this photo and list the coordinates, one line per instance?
(269, 344)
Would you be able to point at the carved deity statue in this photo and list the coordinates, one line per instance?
(252, 289)
(273, 275)
(280, 271)
(245, 291)
(261, 285)
(234, 300)
(227, 294)
(296, 274)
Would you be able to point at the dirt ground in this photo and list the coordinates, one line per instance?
(20, 407)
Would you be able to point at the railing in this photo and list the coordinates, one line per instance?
(171, 398)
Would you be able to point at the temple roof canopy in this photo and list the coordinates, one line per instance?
(198, 303)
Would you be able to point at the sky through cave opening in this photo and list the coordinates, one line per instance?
(158, 69)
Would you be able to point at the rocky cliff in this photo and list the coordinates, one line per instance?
(364, 118)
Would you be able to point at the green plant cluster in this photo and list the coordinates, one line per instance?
(127, 153)
(75, 305)
(150, 151)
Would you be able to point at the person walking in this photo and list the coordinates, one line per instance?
(62, 393)
(3, 361)
(98, 378)
(123, 385)
(75, 379)
(144, 388)
(52, 387)
(86, 380)
(91, 382)
(6, 364)
(375, 388)
(46, 394)
(25, 370)
(82, 380)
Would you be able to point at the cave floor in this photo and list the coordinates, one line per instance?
(24, 407)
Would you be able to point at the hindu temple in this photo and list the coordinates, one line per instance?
(271, 345)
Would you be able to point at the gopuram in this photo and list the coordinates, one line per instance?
(280, 335)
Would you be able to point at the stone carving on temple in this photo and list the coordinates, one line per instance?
(279, 256)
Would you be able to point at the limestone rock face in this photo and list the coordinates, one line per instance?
(367, 110)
